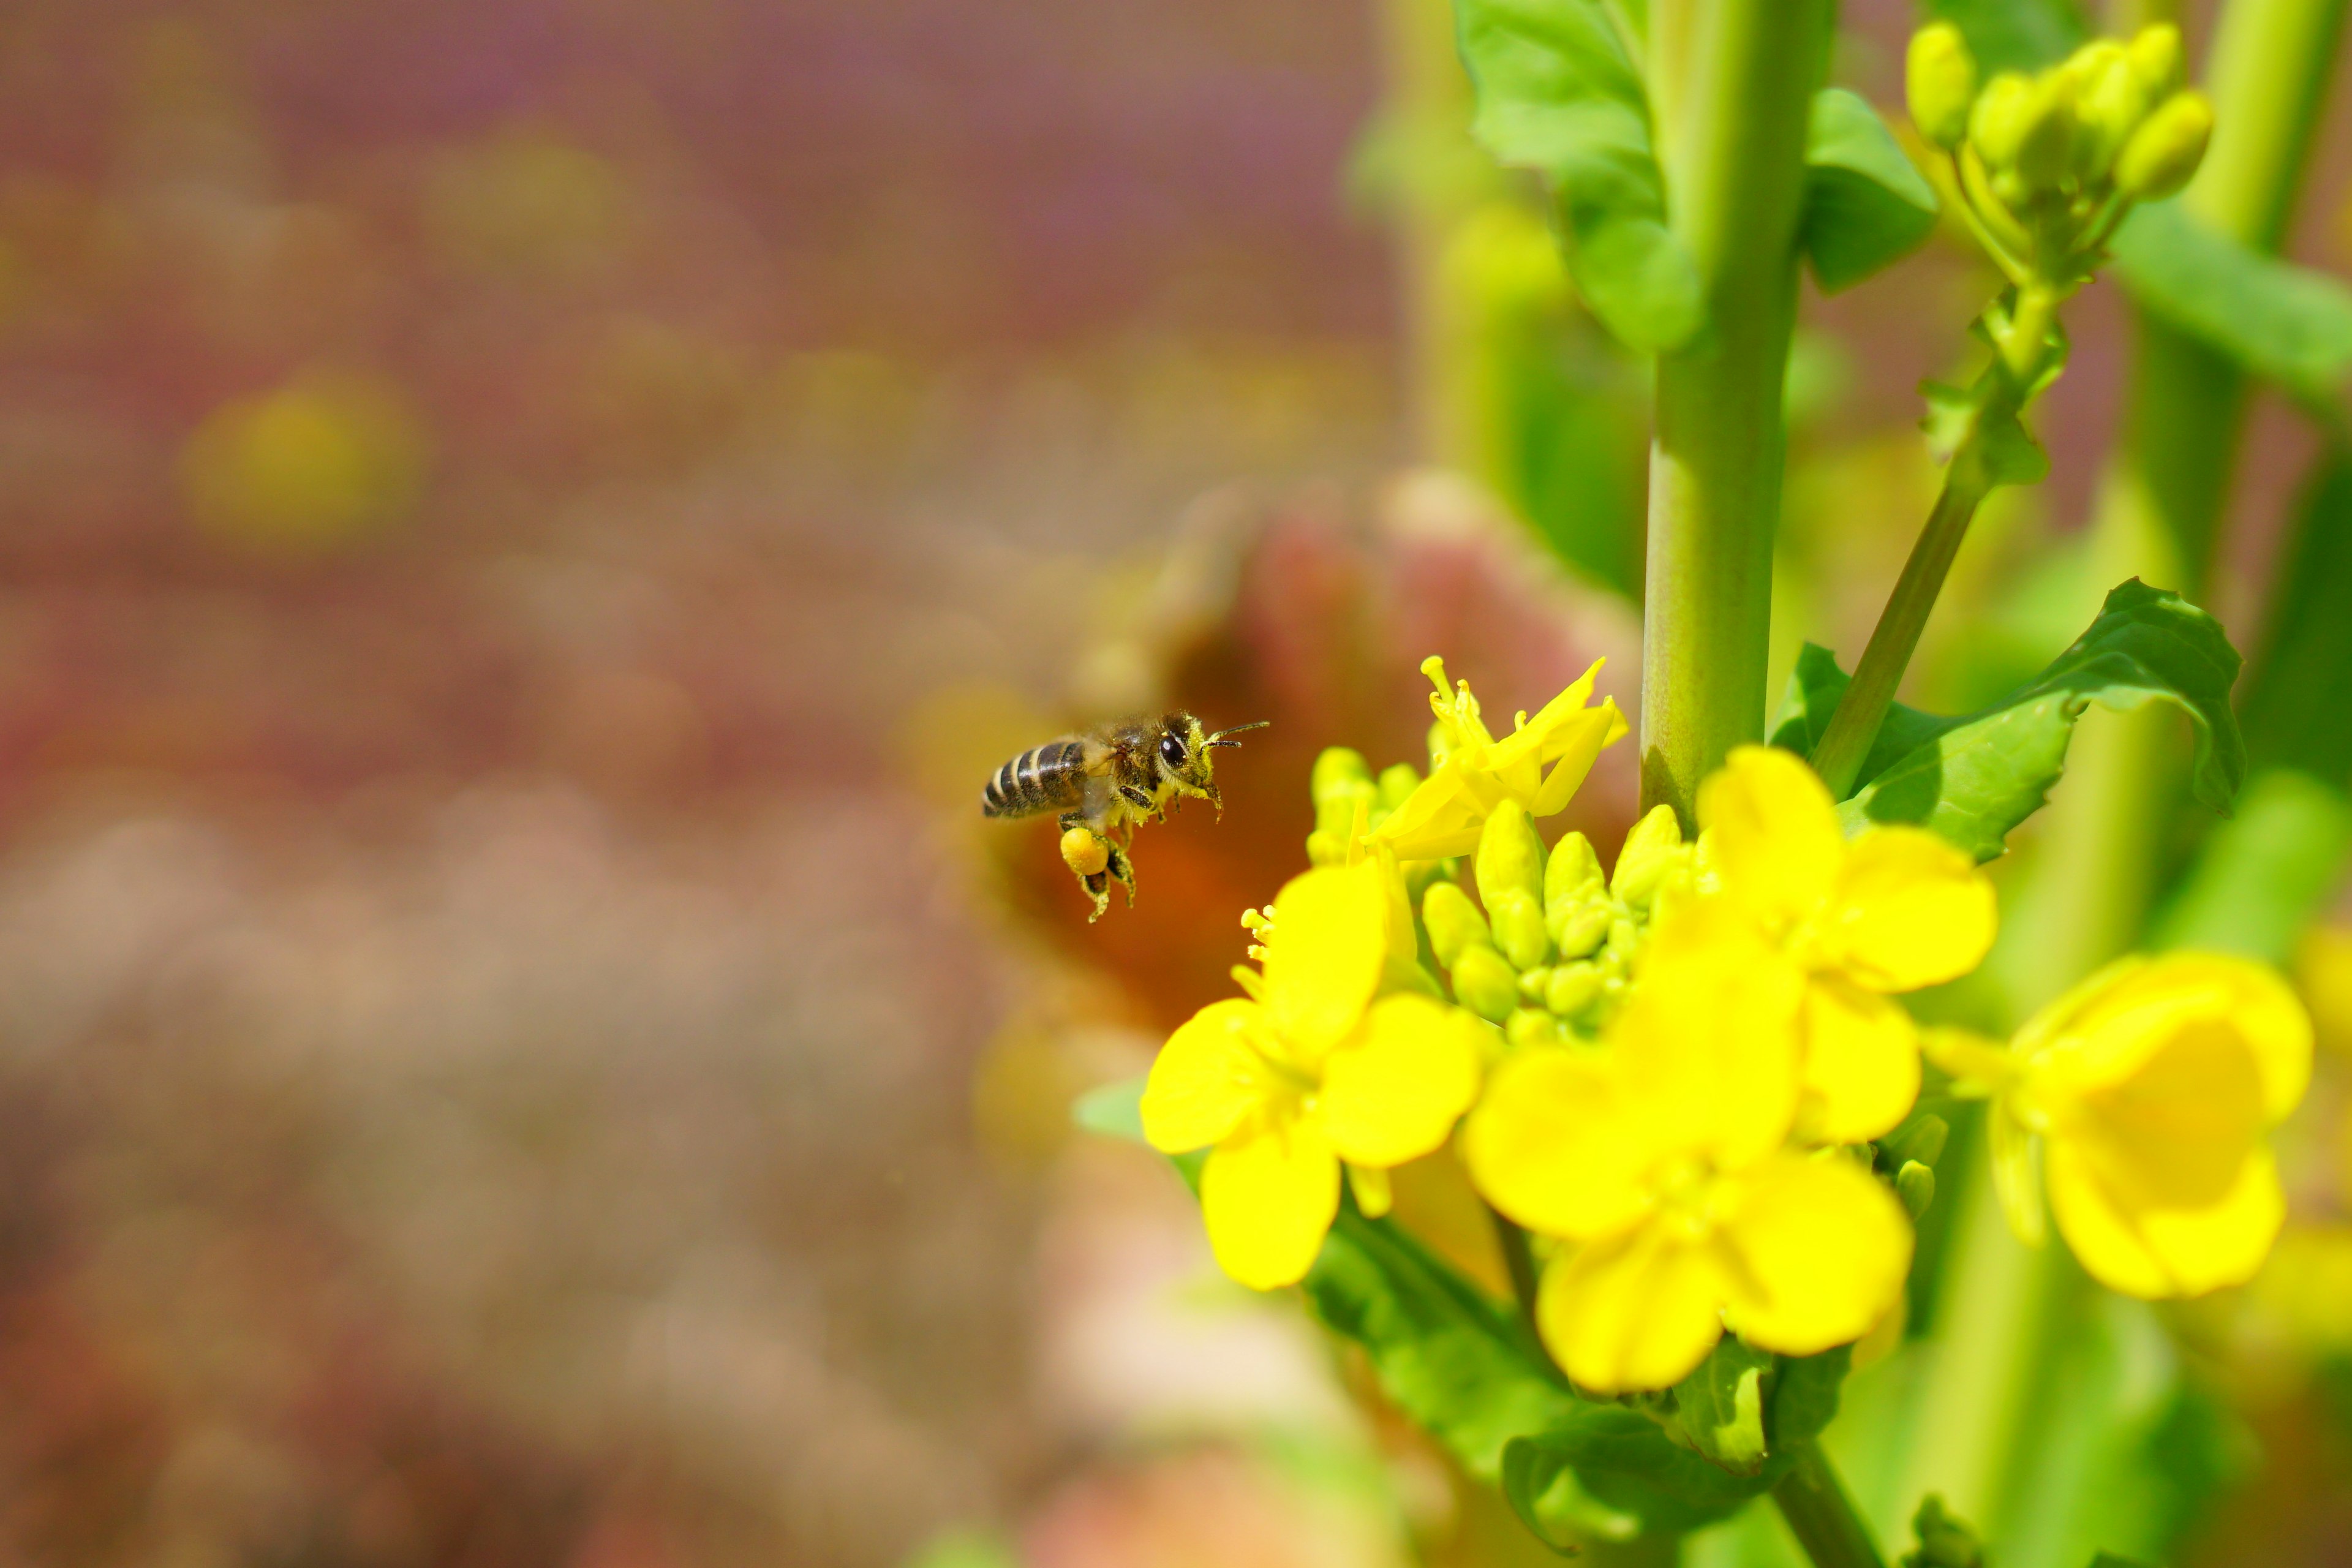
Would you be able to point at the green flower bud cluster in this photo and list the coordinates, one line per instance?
(1549, 956)
(2049, 164)
(1349, 800)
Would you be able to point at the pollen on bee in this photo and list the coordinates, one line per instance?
(1084, 851)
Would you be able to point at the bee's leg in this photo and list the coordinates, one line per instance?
(1139, 798)
(1098, 887)
(1089, 854)
(1121, 870)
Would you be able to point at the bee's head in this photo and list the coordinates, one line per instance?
(1184, 753)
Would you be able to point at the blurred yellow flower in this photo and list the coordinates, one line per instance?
(1306, 1073)
(1663, 1159)
(2150, 1086)
(1891, 910)
(1443, 816)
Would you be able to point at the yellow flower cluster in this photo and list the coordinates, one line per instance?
(1690, 1152)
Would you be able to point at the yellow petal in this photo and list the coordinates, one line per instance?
(1577, 743)
(1862, 1062)
(1206, 1079)
(1441, 817)
(2176, 1131)
(1392, 1091)
(1773, 833)
(1324, 957)
(1374, 1193)
(1267, 1196)
(2155, 1253)
(2104, 1029)
(1710, 1036)
(1907, 910)
(2016, 1176)
(1554, 1145)
(1820, 1250)
(1632, 1311)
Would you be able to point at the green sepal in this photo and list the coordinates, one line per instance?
(1973, 778)
(2289, 324)
(1717, 1411)
(1866, 205)
(1558, 93)
(1113, 1110)
(2012, 35)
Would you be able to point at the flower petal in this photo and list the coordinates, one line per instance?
(2173, 1134)
(2155, 1253)
(1820, 1251)
(1774, 837)
(1267, 1196)
(2104, 1029)
(1635, 1311)
(1862, 1062)
(1908, 909)
(1206, 1079)
(1440, 818)
(1710, 1036)
(1392, 1091)
(1324, 957)
(1554, 1145)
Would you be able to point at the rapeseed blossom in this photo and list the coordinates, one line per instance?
(1662, 1161)
(1308, 1072)
(1892, 910)
(1476, 773)
(2150, 1088)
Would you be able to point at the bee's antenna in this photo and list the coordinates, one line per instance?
(1219, 738)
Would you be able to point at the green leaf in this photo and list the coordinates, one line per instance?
(1975, 777)
(1463, 1368)
(2288, 323)
(2260, 878)
(2012, 35)
(1814, 687)
(1717, 1411)
(1865, 203)
(1558, 93)
(2305, 667)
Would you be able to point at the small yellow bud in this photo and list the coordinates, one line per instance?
(1084, 851)
(2111, 101)
(1998, 123)
(2157, 60)
(1535, 984)
(1939, 79)
(1653, 851)
(2164, 152)
(1532, 1027)
(1397, 781)
(1578, 928)
(1484, 982)
(2045, 146)
(1339, 770)
(1510, 856)
(1453, 923)
(1573, 987)
(1572, 870)
(1518, 925)
(1915, 1184)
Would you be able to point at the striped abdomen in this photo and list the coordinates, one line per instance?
(1039, 779)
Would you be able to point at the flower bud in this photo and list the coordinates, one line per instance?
(1510, 856)
(1915, 1184)
(1624, 938)
(1652, 851)
(1573, 987)
(1338, 771)
(1578, 928)
(2156, 59)
(1453, 923)
(1530, 1027)
(1484, 982)
(2110, 104)
(1919, 1139)
(1998, 123)
(2045, 144)
(2164, 152)
(1939, 78)
(1519, 924)
(1397, 781)
(1535, 984)
(1572, 869)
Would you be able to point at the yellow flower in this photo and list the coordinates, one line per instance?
(2150, 1086)
(1443, 816)
(1891, 910)
(1306, 1072)
(1663, 1158)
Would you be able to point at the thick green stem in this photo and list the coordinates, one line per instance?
(1821, 1516)
(1731, 83)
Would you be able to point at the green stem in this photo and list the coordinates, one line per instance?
(1821, 1516)
(1519, 1259)
(2022, 356)
(1731, 84)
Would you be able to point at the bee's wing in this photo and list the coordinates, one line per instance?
(1100, 752)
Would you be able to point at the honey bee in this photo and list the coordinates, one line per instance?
(1104, 783)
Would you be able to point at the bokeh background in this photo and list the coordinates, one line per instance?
(524, 525)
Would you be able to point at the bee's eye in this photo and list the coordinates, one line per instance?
(1172, 749)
